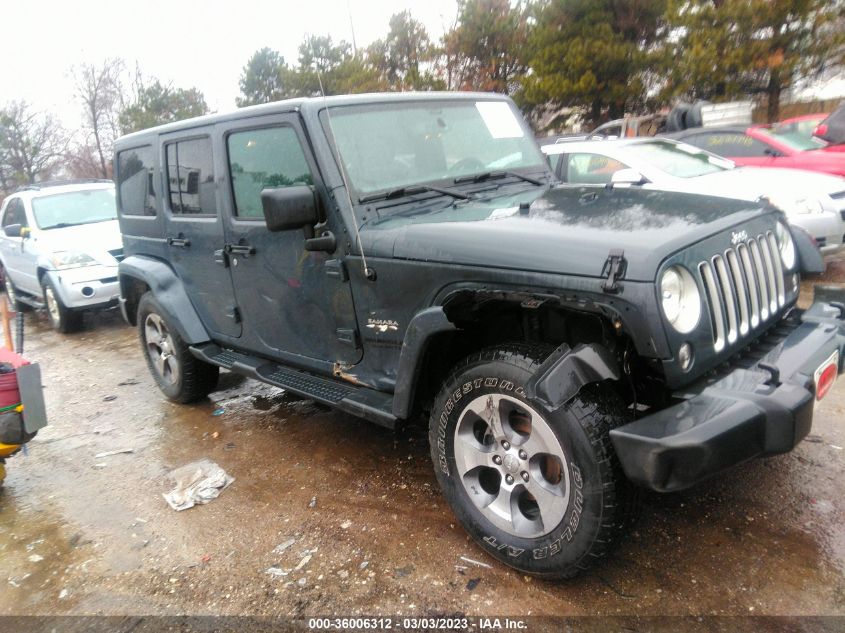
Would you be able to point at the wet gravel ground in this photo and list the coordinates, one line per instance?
(358, 507)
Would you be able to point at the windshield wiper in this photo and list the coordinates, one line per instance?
(398, 192)
(495, 175)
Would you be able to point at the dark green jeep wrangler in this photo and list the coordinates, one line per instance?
(396, 254)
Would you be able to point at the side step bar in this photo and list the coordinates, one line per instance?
(363, 402)
(32, 302)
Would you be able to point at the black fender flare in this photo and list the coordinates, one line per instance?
(809, 255)
(566, 370)
(170, 293)
(422, 328)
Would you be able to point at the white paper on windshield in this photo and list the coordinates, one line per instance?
(499, 119)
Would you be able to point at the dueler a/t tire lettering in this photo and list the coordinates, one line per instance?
(598, 501)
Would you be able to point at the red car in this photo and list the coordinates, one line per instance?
(810, 127)
(766, 146)
(832, 129)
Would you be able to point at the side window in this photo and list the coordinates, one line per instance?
(591, 169)
(15, 213)
(264, 158)
(554, 162)
(190, 177)
(731, 144)
(135, 182)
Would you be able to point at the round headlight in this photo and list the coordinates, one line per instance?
(786, 245)
(680, 299)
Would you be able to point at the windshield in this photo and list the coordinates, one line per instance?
(794, 135)
(77, 207)
(385, 146)
(679, 160)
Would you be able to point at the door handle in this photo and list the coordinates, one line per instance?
(240, 249)
(181, 242)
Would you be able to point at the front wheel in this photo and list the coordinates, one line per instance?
(61, 317)
(180, 375)
(541, 491)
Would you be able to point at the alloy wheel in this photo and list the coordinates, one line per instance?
(160, 348)
(512, 465)
(52, 304)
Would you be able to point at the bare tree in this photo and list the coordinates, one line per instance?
(32, 144)
(99, 88)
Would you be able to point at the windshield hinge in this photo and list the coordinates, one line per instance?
(614, 269)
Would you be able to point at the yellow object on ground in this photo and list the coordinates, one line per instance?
(8, 449)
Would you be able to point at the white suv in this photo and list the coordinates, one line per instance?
(59, 248)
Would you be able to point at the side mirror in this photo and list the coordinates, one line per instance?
(773, 153)
(14, 230)
(627, 177)
(288, 208)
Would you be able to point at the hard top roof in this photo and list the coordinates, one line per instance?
(311, 103)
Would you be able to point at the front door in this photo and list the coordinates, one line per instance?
(195, 232)
(294, 303)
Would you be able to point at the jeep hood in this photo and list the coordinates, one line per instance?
(567, 230)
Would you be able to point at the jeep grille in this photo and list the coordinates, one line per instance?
(744, 288)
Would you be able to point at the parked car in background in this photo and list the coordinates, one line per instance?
(801, 128)
(764, 146)
(815, 202)
(59, 249)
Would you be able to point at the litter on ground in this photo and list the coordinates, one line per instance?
(197, 482)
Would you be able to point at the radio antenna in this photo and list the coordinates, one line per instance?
(369, 273)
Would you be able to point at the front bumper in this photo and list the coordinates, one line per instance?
(87, 287)
(749, 411)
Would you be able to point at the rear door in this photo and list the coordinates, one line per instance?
(194, 230)
(293, 302)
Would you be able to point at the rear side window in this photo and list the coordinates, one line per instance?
(591, 169)
(190, 177)
(135, 182)
(263, 159)
(15, 213)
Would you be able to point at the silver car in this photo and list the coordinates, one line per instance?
(813, 201)
(59, 249)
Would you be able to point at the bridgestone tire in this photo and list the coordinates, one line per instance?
(193, 379)
(599, 501)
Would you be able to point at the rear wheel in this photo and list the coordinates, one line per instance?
(12, 294)
(62, 318)
(542, 491)
(180, 375)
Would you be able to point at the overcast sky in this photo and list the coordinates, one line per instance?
(191, 43)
